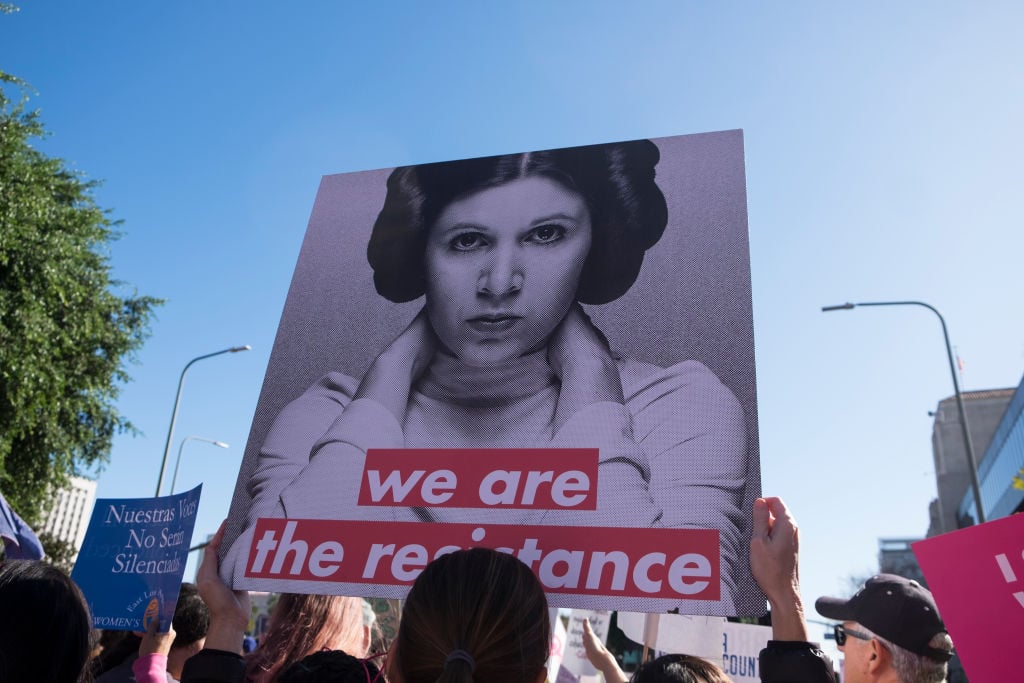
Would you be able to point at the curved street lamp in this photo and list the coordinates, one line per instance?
(972, 464)
(174, 477)
(177, 401)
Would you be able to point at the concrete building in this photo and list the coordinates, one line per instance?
(984, 410)
(69, 516)
(896, 557)
(999, 471)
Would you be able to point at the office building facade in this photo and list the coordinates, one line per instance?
(999, 471)
(984, 411)
(69, 516)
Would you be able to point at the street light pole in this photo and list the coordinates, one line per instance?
(177, 401)
(971, 460)
(174, 477)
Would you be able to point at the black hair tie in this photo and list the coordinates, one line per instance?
(462, 656)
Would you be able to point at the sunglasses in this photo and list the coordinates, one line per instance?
(841, 632)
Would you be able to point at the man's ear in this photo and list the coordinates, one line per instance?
(542, 676)
(880, 658)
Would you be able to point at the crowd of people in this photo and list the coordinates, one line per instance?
(472, 615)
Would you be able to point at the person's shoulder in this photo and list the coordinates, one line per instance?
(783, 661)
(312, 412)
(333, 391)
(686, 393)
(693, 376)
(335, 386)
(207, 666)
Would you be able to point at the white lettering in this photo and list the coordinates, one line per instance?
(377, 552)
(441, 480)
(686, 566)
(299, 547)
(533, 480)
(570, 482)
(641, 572)
(409, 562)
(574, 565)
(488, 496)
(326, 558)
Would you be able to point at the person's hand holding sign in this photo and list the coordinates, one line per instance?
(774, 562)
(230, 610)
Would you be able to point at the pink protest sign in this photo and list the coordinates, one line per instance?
(977, 578)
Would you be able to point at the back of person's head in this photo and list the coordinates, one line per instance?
(911, 667)
(116, 647)
(472, 615)
(679, 669)
(331, 666)
(903, 615)
(45, 631)
(303, 624)
(191, 617)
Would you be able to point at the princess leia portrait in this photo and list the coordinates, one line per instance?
(499, 256)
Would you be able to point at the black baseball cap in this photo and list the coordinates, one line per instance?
(898, 609)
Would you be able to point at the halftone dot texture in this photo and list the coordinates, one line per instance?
(683, 334)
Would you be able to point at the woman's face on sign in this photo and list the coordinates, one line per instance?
(503, 265)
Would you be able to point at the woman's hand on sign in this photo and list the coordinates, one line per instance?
(154, 642)
(230, 610)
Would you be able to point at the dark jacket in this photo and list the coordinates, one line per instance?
(787, 661)
(214, 666)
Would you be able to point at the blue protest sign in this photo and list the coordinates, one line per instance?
(133, 558)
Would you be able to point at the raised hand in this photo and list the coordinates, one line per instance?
(154, 642)
(774, 563)
(600, 657)
(230, 610)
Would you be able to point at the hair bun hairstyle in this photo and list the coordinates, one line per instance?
(616, 180)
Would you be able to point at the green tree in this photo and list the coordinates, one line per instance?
(59, 553)
(65, 333)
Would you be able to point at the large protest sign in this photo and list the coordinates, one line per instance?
(548, 352)
(133, 558)
(977, 578)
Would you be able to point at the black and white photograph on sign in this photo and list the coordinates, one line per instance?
(583, 297)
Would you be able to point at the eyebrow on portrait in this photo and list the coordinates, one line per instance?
(555, 217)
(463, 227)
(477, 227)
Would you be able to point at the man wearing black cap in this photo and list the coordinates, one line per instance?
(891, 632)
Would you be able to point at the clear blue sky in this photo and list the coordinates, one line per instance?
(883, 144)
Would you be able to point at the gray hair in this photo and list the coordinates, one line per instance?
(915, 668)
(369, 616)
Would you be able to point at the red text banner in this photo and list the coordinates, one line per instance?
(530, 478)
(643, 563)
